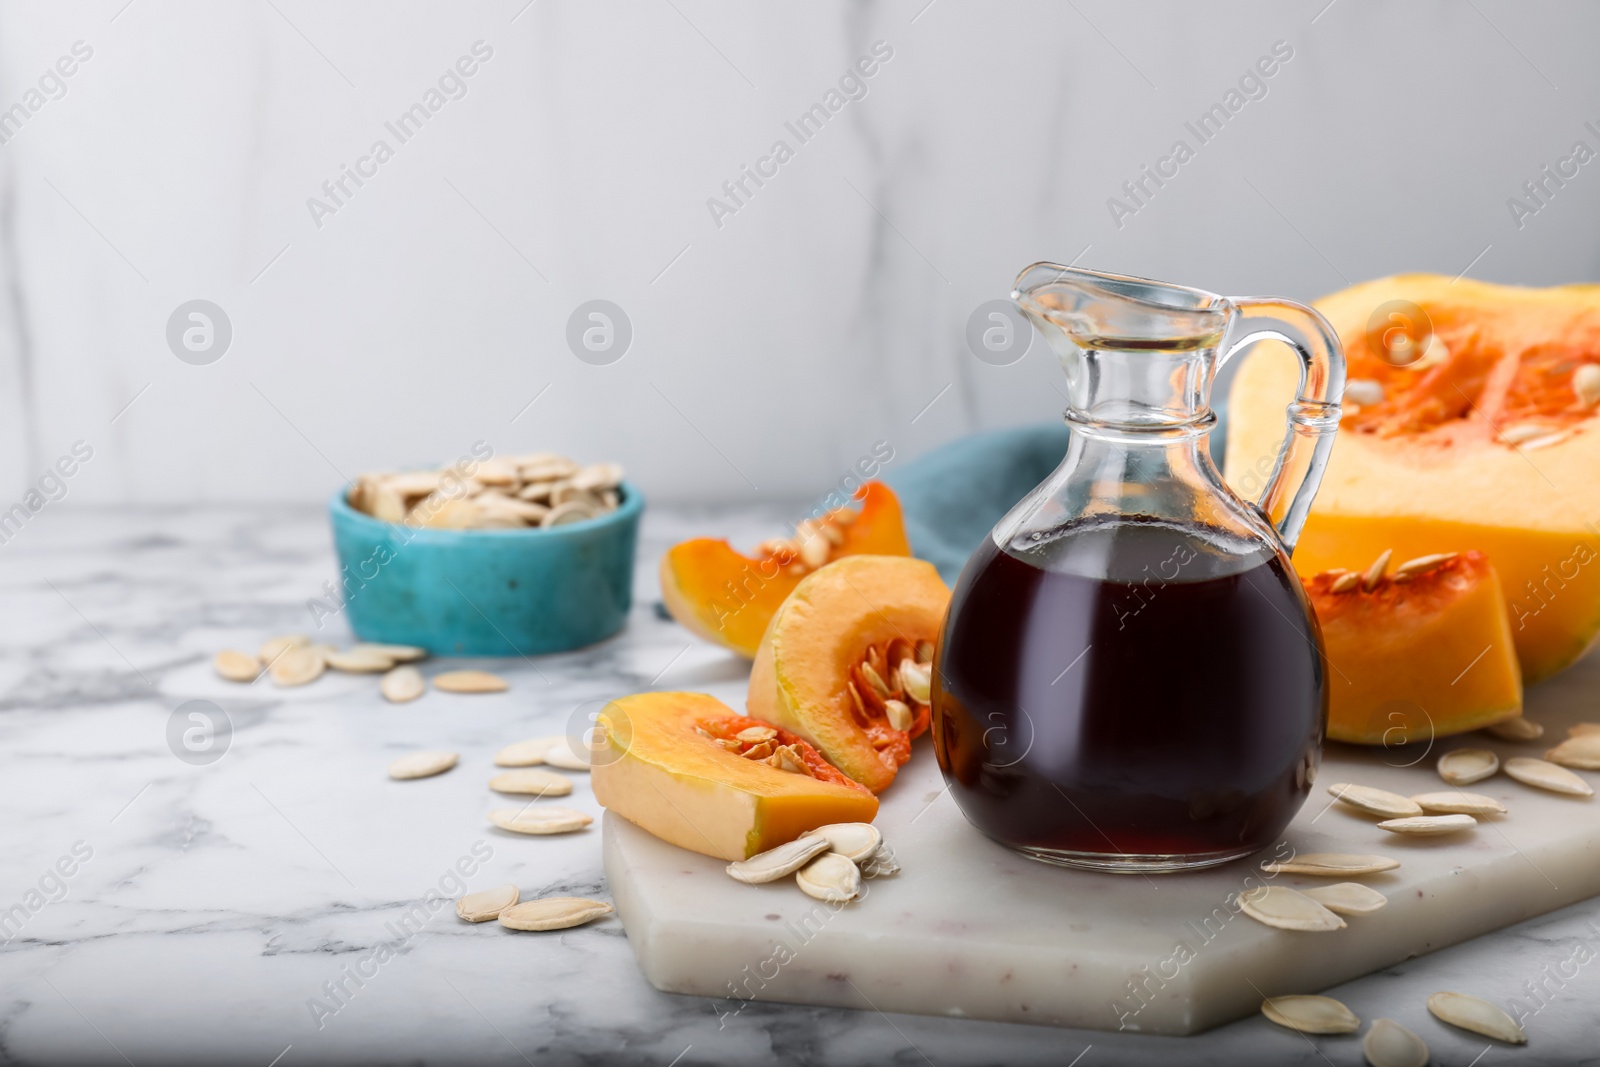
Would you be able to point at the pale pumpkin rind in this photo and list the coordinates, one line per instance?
(728, 598)
(1416, 660)
(1452, 484)
(658, 773)
(801, 674)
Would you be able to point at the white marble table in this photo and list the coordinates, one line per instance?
(217, 901)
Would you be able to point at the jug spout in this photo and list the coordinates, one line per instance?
(1136, 352)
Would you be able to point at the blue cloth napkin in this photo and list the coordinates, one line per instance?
(953, 496)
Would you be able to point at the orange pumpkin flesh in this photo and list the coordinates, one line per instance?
(663, 769)
(728, 598)
(1416, 659)
(1441, 462)
(808, 676)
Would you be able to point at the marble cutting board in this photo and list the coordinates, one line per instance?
(969, 929)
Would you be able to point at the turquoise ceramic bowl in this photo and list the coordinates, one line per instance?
(487, 592)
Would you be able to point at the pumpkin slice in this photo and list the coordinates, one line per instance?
(1470, 421)
(728, 598)
(675, 765)
(1420, 654)
(854, 640)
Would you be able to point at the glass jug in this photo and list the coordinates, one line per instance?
(1130, 677)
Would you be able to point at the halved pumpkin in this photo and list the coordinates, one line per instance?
(729, 598)
(1421, 654)
(673, 764)
(847, 661)
(1469, 423)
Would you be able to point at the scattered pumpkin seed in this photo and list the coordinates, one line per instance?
(277, 646)
(1543, 775)
(354, 661)
(1331, 864)
(539, 819)
(563, 755)
(1364, 391)
(1345, 583)
(1388, 1044)
(778, 862)
(422, 765)
(881, 864)
(402, 685)
(855, 841)
(1463, 766)
(531, 782)
(554, 913)
(1581, 752)
(1517, 729)
(1579, 729)
(398, 653)
(1422, 564)
(1522, 431)
(1586, 384)
(899, 714)
(1347, 898)
(469, 682)
(1311, 1015)
(1455, 802)
(830, 877)
(487, 904)
(1374, 801)
(298, 666)
(1478, 1015)
(1429, 825)
(754, 735)
(525, 753)
(1287, 909)
(236, 666)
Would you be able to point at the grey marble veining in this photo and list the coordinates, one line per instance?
(217, 903)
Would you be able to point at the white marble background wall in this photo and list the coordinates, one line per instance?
(770, 351)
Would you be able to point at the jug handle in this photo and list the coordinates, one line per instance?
(1314, 415)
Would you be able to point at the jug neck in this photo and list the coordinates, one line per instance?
(1139, 355)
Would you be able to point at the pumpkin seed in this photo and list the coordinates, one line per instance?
(759, 752)
(900, 717)
(834, 535)
(1463, 766)
(402, 685)
(298, 666)
(469, 682)
(1331, 864)
(1517, 729)
(422, 765)
(539, 819)
(1344, 583)
(354, 662)
(1388, 1044)
(1287, 909)
(554, 913)
(1581, 752)
(1363, 391)
(855, 841)
(1545, 442)
(1422, 564)
(398, 653)
(830, 877)
(531, 782)
(487, 904)
(1586, 384)
(1522, 431)
(1347, 898)
(1579, 729)
(917, 680)
(277, 646)
(754, 735)
(568, 512)
(875, 680)
(525, 753)
(598, 476)
(925, 652)
(1542, 775)
(1478, 1015)
(814, 550)
(880, 864)
(1429, 825)
(1455, 802)
(1311, 1015)
(791, 759)
(236, 666)
(1374, 574)
(563, 755)
(1375, 801)
(778, 862)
